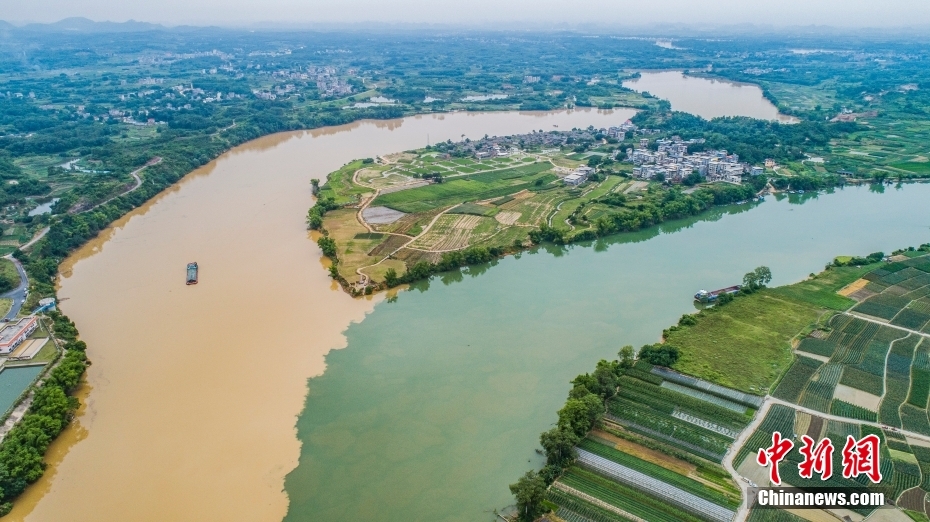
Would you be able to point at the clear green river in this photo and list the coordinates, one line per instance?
(437, 403)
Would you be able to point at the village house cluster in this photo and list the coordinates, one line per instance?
(494, 146)
(671, 162)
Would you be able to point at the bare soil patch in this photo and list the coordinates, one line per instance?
(857, 397)
(802, 422)
(815, 428)
(507, 217)
(389, 245)
(861, 295)
(411, 256)
(913, 499)
(660, 459)
(853, 287)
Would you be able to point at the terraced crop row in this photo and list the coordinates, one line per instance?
(923, 460)
(851, 411)
(666, 439)
(817, 346)
(840, 430)
(706, 397)
(629, 411)
(779, 418)
(665, 475)
(873, 360)
(897, 379)
(860, 380)
(901, 482)
(573, 509)
(918, 281)
(772, 515)
(753, 401)
(667, 399)
(853, 326)
(623, 497)
(911, 318)
(920, 387)
(819, 391)
(914, 419)
(876, 309)
(917, 293)
(922, 304)
(794, 382)
(653, 487)
(851, 353)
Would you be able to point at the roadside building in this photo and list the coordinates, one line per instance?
(579, 176)
(574, 179)
(12, 335)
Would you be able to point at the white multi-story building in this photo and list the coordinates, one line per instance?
(12, 335)
(674, 163)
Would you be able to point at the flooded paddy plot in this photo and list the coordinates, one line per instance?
(381, 215)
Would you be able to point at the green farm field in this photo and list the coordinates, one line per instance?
(467, 188)
(746, 344)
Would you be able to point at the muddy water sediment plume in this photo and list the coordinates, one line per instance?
(194, 390)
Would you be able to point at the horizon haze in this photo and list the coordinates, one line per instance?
(519, 14)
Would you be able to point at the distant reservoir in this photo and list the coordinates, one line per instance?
(706, 97)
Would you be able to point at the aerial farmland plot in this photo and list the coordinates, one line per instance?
(846, 364)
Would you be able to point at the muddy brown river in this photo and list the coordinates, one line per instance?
(192, 398)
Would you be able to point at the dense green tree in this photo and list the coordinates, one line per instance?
(659, 354)
(559, 446)
(328, 246)
(529, 491)
(627, 356)
(758, 278)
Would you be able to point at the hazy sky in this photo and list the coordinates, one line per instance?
(871, 13)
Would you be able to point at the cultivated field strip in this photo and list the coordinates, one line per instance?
(693, 448)
(723, 430)
(654, 487)
(715, 389)
(579, 506)
(707, 397)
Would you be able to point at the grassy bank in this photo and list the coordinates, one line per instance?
(637, 439)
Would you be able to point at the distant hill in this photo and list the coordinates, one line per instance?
(84, 25)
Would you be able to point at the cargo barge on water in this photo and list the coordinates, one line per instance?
(709, 297)
(192, 273)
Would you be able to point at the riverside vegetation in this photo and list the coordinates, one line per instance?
(53, 405)
(829, 337)
(409, 215)
(81, 110)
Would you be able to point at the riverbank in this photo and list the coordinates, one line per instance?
(814, 326)
(475, 361)
(41, 413)
(446, 227)
(293, 315)
(456, 204)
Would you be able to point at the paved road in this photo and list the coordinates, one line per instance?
(18, 294)
(35, 239)
(135, 174)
